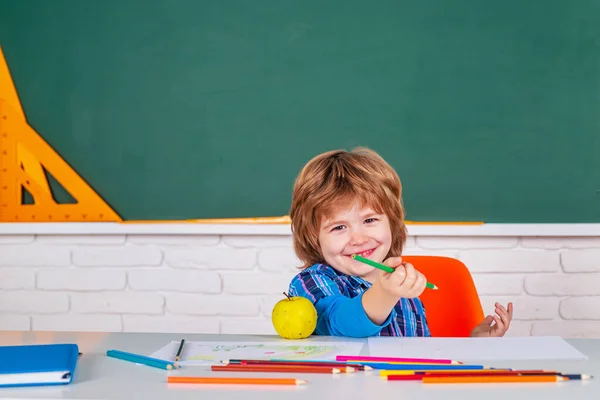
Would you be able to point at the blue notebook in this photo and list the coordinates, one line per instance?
(37, 365)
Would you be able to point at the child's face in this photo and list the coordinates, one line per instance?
(355, 231)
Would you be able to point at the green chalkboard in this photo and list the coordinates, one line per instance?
(489, 110)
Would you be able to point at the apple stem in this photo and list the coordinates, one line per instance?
(287, 295)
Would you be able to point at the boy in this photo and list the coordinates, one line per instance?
(347, 203)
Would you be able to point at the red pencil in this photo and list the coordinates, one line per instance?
(416, 377)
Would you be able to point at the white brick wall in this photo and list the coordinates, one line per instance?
(229, 284)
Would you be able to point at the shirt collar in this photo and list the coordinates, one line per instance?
(356, 281)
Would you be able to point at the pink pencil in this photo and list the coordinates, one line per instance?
(394, 359)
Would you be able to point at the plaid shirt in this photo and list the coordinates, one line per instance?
(321, 281)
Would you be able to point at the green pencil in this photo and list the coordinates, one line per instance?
(384, 268)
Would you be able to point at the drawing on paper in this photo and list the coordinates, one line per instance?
(212, 352)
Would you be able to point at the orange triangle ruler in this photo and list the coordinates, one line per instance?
(23, 157)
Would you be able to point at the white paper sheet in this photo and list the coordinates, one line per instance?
(503, 348)
(207, 353)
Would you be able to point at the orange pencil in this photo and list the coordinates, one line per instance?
(511, 373)
(236, 381)
(276, 368)
(495, 379)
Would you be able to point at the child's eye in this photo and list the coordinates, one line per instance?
(338, 228)
(369, 220)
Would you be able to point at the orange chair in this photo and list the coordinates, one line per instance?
(454, 309)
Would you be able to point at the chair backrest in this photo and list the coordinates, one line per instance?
(454, 309)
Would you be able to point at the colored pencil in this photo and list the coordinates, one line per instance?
(356, 367)
(498, 371)
(180, 350)
(576, 377)
(384, 268)
(387, 372)
(381, 364)
(495, 379)
(425, 367)
(410, 377)
(402, 378)
(238, 381)
(394, 359)
(419, 375)
(399, 363)
(139, 359)
(486, 372)
(447, 373)
(341, 368)
(512, 373)
(277, 360)
(275, 368)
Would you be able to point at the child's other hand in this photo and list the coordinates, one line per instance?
(404, 282)
(495, 326)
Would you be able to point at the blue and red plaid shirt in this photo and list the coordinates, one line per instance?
(338, 300)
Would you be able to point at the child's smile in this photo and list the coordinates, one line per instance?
(365, 253)
(355, 231)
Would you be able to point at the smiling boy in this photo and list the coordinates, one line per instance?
(347, 203)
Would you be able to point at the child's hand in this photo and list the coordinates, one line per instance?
(379, 300)
(495, 326)
(404, 282)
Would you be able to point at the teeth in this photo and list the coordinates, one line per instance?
(364, 253)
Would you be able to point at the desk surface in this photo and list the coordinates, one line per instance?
(101, 377)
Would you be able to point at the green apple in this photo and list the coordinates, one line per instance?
(294, 317)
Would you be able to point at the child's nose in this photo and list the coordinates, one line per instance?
(358, 238)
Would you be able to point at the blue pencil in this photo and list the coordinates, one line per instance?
(139, 359)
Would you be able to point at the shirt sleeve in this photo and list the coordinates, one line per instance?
(338, 315)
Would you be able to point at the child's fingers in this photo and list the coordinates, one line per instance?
(393, 262)
(499, 324)
(487, 321)
(398, 276)
(504, 317)
(503, 312)
(420, 281)
(510, 311)
(502, 321)
(419, 285)
(501, 308)
(411, 276)
(418, 278)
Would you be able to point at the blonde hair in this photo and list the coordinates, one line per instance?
(338, 178)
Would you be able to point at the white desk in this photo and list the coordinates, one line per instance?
(101, 377)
